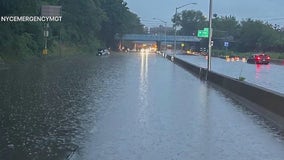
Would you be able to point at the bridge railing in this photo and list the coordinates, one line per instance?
(157, 37)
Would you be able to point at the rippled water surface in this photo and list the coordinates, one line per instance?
(124, 106)
(45, 106)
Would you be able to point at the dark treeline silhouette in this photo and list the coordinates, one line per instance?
(86, 25)
(244, 36)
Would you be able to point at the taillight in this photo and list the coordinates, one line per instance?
(268, 57)
(257, 57)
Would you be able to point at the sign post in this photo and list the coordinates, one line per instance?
(226, 44)
(48, 10)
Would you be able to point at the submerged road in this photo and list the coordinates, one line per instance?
(125, 107)
(159, 111)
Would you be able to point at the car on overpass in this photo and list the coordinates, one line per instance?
(260, 58)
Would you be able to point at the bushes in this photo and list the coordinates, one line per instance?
(85, 26)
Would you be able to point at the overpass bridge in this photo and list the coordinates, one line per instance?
(159, 38)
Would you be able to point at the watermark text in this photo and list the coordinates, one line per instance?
(31, 18)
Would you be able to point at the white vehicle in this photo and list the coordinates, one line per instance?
(102, 52)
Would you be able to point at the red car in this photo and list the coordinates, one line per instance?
(259, 59)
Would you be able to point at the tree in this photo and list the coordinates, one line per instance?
(224, 29)
(82, 21)
(191, 21)
(19, 38)
(257, 35)
(225, 26)
(120, 20)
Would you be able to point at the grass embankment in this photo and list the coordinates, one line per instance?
(222, 53)
(54, 52)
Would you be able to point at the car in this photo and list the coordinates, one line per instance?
(234, 58)
(260, 58)
(102, 52)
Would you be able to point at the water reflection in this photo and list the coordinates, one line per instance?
(144, 68)
(260, 69)
(205, 120)
(143, 87)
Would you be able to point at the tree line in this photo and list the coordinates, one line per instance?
(244, 36)
(86, 25)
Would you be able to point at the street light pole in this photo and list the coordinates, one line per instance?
(175, 40)
(165, 36)
(210, 44)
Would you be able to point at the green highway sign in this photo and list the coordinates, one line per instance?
(203, 33)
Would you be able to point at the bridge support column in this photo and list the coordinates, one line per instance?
(159, 45)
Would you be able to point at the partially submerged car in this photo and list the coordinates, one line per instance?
(260, 58)
(102, 52)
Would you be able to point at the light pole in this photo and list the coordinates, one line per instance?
(165, 31)
(210, 44)
(175, 43)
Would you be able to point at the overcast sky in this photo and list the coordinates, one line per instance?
(267, 10)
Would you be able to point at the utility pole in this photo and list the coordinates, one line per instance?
(210, 42)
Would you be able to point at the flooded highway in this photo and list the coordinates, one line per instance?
(125, 107)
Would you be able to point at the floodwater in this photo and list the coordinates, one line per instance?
(125, 106)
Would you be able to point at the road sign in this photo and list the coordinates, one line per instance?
(44, 51)
(45, 33)
(226, 44)
(212, 43)
(203, 33)
(49, 10)
(206, 30)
